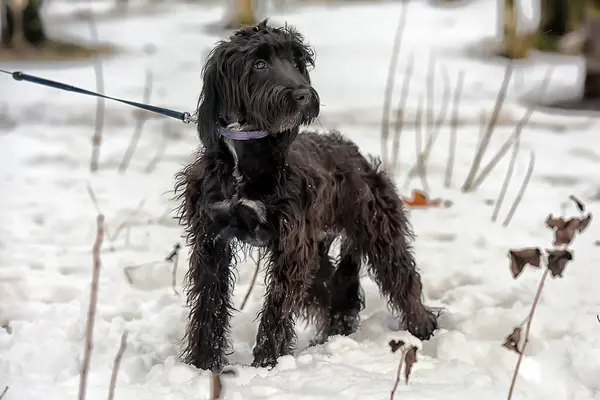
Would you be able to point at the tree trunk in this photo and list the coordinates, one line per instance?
(559, 19)
(22, 24)
(591, 51)
(241, 14)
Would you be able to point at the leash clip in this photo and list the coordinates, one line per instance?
(188, 118)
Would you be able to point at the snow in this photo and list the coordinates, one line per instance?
(48, 219)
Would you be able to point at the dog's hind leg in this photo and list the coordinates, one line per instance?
(383, 234)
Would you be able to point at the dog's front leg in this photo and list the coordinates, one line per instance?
(209, 298)
(290, 275)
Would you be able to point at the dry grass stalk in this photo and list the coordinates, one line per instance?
(433, 129)
(454, 129)
(485, 171)
(141, 118)
(468, 184)
(100, 104)
(91, 315)
(389, 87)
(528, 174)
(4, 392)
(400, 113)
(116, 365)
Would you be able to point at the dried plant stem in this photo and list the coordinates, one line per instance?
(400, 113)
(100, 105)
(516, 134)
(127, 220)
(4, 392)
(420, 167)
(509, 172)
(116, 365)
(139, 125)
(252, 281)
(468, 184)
(397, 382)
(454, 129)
(527, 329)
(91, 315)
(522, 189)
(418, 139)
(174, 273)
(389, 87)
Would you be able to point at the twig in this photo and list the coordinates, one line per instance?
(389, 87)
(253, 280)
(517, 133)
(418, 139)
(400, 113)
(527, 329)
(4, 392)
(397, 382)
(468, 184)
(91, 315)
(139, 125)
(100, 106)
(116, 365)
(522, 189)
(453, 129)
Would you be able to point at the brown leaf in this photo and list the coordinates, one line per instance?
(522, 257)
(578, 203)
(409, 359)
(565, 234)
(554, 223)
(395, 345)
(512, 341)
(557, 261)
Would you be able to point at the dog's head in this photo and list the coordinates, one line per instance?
(258, 80)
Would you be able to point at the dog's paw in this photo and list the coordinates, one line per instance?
(264, 362)
(424, 326)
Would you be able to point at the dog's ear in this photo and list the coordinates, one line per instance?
(210, 101)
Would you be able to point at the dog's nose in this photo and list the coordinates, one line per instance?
(302, 96)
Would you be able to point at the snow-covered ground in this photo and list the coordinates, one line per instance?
(48, 219)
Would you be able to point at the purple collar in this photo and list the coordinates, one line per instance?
(242, 135)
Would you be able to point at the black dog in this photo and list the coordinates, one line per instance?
(258, 181)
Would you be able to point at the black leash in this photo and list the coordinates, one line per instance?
(20, 76)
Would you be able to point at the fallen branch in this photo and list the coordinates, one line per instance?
(116, 365)
(91, 315)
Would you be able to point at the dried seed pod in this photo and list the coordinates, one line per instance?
(409, 359)
(511, 342)
(395, 345)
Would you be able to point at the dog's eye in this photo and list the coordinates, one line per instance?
(260, 64)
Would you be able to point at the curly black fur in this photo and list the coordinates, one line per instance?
(291, 193)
